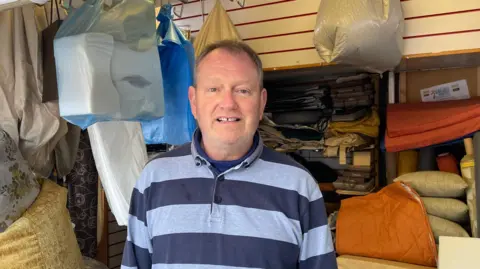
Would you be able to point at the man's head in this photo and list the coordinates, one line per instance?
(228, 98)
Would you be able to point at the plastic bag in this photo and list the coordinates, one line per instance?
(177, 61)
(108, 67)
(217, 27)
(363, 33)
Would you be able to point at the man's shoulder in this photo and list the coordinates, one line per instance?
(274, 157)
(181, 151)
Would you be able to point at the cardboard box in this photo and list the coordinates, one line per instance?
(411, 83)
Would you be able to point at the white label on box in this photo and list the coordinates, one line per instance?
(449, 91)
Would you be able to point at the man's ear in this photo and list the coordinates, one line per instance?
(192, 97)
(263, 102)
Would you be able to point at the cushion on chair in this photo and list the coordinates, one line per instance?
(43, 237)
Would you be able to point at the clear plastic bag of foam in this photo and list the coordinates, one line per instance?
(108, 65)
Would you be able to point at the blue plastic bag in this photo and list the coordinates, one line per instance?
(177, 63)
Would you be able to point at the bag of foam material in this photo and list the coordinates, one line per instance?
(108, 66)
(367, 34)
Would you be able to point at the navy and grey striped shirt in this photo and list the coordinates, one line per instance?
(266, 212)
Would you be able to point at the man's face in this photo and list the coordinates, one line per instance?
(228, 102)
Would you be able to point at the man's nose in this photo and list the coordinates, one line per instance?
(228, 100)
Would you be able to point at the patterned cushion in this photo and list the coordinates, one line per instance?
(43, 237)
(18, 186)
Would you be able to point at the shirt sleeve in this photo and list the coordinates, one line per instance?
(138, 247)
(316, 251)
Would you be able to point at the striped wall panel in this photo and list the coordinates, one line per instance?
(281, 31)
(117, 236)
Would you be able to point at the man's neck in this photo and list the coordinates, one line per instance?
(229, 153)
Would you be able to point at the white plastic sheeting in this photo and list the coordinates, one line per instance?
(120, 155)
(106, 78)
(364, 33)
(108, 67)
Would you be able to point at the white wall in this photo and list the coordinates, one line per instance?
(281, 31)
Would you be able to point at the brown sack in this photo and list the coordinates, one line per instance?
(391, 224)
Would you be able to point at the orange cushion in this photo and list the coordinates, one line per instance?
(391, 224)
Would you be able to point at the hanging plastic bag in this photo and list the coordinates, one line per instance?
(177, 61)
(367, 34)
(217, 27)
(108, 67)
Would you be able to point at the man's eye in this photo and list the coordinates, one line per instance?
(244, 91)
(212, 89)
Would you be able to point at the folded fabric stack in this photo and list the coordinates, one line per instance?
(299, 98)
(331, 125)
(352, 133)
(440, 193)
(419, 125)
(289, 138)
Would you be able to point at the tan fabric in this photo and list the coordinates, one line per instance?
(447, 208)
(355, 262)
(367, 126)
(43, 237)
(435, 183)
(350, 140)
(217, 27)
(18, 186)
(35, 126)
(391, 224)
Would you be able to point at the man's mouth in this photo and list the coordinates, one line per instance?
(228, 119)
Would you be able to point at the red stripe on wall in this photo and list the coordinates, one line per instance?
(274, 19)
(440, 34)
(190, 2)
(443, 14)
(236, 9)
(269, 36)
(282, 51)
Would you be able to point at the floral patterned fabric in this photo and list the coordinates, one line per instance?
(82, 197)
(18, 185)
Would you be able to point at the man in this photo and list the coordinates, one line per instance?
(225, 200)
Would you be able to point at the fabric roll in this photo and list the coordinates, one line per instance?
(407, 162)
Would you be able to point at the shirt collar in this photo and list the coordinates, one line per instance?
(200, 160)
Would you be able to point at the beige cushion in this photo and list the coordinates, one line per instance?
(447, 208)
(43, 237)
(435, 183)
(443, 227)
(18, 186)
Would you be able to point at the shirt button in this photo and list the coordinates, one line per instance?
(221, 178)
(218, 199)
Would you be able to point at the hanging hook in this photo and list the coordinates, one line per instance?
(242, 4)
(181, 11)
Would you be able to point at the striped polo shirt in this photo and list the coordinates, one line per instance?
(266, 212)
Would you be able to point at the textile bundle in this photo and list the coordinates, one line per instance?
(419, 125)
